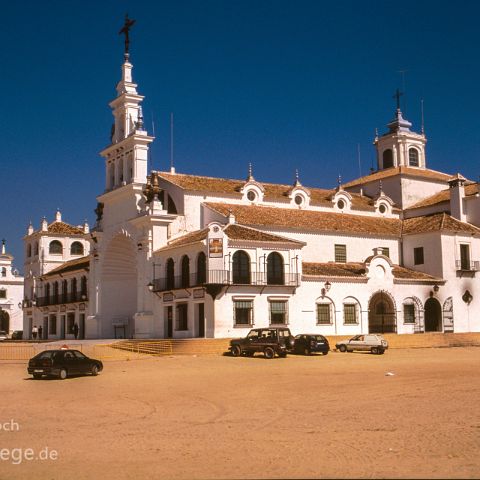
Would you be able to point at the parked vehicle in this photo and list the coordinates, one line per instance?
(367, 343)
(17, 335)
(310, 343)
(269, 341)
(62, 363)
(3, 335)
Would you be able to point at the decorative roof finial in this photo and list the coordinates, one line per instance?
(380, 187)
(297, 179)
(376, 132)
(126, 30)
(3, 247)
(339, 182)
(250, 173)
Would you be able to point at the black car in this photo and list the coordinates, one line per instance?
(62, 363)
(309, 343)
(269, 341)
(17, 335)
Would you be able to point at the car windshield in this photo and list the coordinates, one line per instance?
(79, 354)
(253, 334)
(319, 338)
(284, 333)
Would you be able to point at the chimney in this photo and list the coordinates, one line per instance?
(231, 218)
(457, 194)
(86, 228)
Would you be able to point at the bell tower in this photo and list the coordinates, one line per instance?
(400, 146)
(126, 156)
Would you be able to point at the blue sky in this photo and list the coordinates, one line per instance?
(280, 84)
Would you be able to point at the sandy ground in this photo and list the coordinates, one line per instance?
(231, 418)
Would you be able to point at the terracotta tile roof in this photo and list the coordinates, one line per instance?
(288, 218)
(358, 270)
(63, 228)
(273, 191)
(444, 196)
(390, 172)
(187, 239)
(70, 266)
(239, 232)
(437, 222)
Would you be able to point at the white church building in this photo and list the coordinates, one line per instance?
(174, 255)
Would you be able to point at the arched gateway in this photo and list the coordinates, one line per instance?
(433, 315)
(118, 291)
(381, 314)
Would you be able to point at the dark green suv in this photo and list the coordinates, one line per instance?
(269, 341)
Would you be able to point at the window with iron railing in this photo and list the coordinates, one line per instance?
(243, 312)
(408, 313)
(341, 253)
(350, 314)
(278, 312)
(324, 314)
(465, 256)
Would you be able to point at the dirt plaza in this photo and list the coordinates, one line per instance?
(410, 413)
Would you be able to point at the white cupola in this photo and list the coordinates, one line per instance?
(400, 146)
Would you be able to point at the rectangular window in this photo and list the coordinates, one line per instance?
(323, 314)
(182, 317)
(350, 314)
(3, 293)
(418, 256)
(386, 251)
(53, 325)
(409, 313)
(340, 253)
(278, 313)
(243, 312)
(465, 257)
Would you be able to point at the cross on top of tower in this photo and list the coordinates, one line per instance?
(397, 96)
(126, 30)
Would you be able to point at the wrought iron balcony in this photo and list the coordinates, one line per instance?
(225, 277)
(61, 298)
(467, 266)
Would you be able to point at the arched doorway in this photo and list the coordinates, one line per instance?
(433, 315)
(4, 321)
(118, 289)
(381, 314)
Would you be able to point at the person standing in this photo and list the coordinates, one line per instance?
(75, 330)
(40, 331)
(34, 332)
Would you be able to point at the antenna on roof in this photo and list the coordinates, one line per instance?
(423, 120)
(359, 160)
(172, 168)
(150, 151)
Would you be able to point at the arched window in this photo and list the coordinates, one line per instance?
(241, 268)
(185, 271)
(47, 291)
(4, 272)
(275, 273)
(55, 247)
(201, 268)
(35, 250)
(413, 157)
(387, 158)
(170, 273)
(76, 248)
(29, 250)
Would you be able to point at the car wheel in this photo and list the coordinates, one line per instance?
(374, 350)
(236, 350)
(62, 375)
(269, 352)
(37, 376)
(306, 351)
(325, 353)
(342, 348)
(94, 370)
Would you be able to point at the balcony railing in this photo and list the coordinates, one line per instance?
(70, 297)
(467, 266)
(224, 277)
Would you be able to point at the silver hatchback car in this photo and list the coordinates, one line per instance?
(367, 343)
